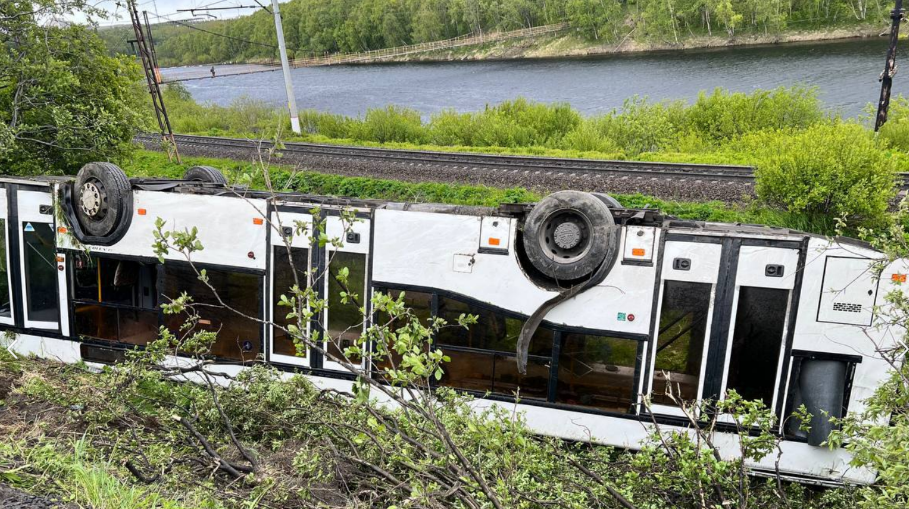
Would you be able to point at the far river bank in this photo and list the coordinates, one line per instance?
(566, 44)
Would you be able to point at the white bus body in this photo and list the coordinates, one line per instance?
(714, 306)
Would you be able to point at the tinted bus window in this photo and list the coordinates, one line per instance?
(597, 371)
(40, 272)
(345, 319)
(5, 308)
(759, 322)
(115, 300)
(238, 333)
(420, 304)
(284, 268)
(680, 342)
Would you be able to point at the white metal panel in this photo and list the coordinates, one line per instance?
(848, 291)
(639, 241)
(797, 459)
(418, 249)
(62, 293)
(335, 228)
(60, 350)
(495, 233)
(29, 206)
(704, 257)
(230, 228)
(753, 261)
(813, 336)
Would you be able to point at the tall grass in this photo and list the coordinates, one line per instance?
(637, 128)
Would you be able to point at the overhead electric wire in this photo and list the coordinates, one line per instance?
(165, 18)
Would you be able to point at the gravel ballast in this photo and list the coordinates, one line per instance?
(542, 181)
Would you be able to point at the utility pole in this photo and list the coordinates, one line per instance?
(152, 78)
(288, 84)
(890, 66)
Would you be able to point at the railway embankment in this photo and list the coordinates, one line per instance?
(687, 182)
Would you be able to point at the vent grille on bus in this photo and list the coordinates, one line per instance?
(847, 307)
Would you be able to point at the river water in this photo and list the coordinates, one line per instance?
(846, 73)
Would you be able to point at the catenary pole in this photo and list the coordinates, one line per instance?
(890, 67)
(288, 84)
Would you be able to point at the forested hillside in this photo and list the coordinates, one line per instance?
(320, 26)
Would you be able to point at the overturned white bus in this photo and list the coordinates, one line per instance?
(777, 315)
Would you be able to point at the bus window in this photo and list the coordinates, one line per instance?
(420, 304)
(238, 332)
(40, 272)
(493, 331)
(680, 342)
(114, 300)
(345, 320)
(597, 371)
(483, 355)
(5, 308)
(284, 268)
(756, 343)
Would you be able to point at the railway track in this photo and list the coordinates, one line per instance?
(504, 162)
(724, 182)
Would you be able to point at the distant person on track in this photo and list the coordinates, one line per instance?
(212, 71)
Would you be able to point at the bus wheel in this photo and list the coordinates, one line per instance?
(608, 200)
(103, 198)
(567, 235)
(205, 174)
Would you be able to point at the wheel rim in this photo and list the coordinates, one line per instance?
(93, 199)
(565, 236)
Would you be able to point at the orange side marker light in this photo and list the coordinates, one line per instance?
(637, 251)
(494, 241)
(142, 212)
(62, 229)
(258, 220)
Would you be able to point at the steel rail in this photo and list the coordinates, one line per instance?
(506, 163)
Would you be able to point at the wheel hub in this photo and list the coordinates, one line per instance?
(567, 235)
(93, 199)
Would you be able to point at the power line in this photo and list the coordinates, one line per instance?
(165, 18)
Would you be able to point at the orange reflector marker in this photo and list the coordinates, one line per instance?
(60, 259)
(898, 278)
(62, 229)
(494, 241)
(258, 220)
(142, 212)
(637, 251)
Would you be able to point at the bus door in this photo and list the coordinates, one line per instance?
(691, 268)
(42, 274)
(6, 280)
(290, 262)
(759, 318)
(345, 268)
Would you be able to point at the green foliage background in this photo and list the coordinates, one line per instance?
(314, 27)
(63, 100)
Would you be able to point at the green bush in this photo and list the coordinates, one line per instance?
(723, 115)
(896, 131)
(390, 124)
(836, 169)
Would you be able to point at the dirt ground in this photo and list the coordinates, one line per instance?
(14, 499)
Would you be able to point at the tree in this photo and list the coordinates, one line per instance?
(63, 100)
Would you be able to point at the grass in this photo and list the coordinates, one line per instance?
(147, 163)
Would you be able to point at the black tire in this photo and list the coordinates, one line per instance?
(205, 174)
(567, 235)
(103, 198)
(608, 200)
